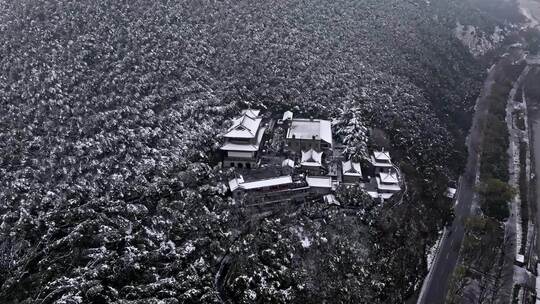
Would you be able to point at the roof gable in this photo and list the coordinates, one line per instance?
(382, 155)
(251, 113)
(288, 163)
(244, 127)
(311, 157)
(235, 182)
(389, 178)
(287, 115)
(350, 168)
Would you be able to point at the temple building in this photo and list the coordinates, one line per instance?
(268, 186)
(242, 140)
(295, 160)
(351, 172)
(287, 167)
(280, 188)
(305, 134)
(311, 161)
(387, 184)
(320, 184)
(381, 161)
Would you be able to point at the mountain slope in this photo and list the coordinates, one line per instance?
(110, 112)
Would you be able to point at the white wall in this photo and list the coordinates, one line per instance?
(240, 154)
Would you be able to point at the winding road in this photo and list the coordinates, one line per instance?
(436, 283)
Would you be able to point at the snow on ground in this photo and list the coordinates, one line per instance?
(476, 41)
(537, 283)
(432, 252)
(514, 165)
(306, 243)
(516, 202)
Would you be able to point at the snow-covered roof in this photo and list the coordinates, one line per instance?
(387, 187)
(287, 115)
(450, 192)
(351, 169)
(382, 155)
(270, 182)
(311, 129)
(251, 113)
(247, 147)
(319, 181)
(239, 147)
(311, 158)
(244, 127)
(377, 195)
(381, 163)
(331, 199)
(288, 163)
(235, 182)
(386, 196)
(326, 131)
(389, 178)
(373, 194)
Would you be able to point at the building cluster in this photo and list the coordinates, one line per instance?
(307, 163)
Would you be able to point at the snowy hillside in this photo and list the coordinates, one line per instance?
(110, 114)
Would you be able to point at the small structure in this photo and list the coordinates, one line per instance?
(279, 189)
(286, 119)
(288, 115)
(311, 161)
(373, 194)
(382, 161)
(319, 184)
(239, 187)
(331, 199)
(305, 134)
(351, 172)
(387, 184)
(242, 140)
(450, 192)
(332, 170)
(287, 167)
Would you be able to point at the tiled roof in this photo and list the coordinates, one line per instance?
(251, 113)
(319, 181)
(389, 178)
(351, 169)
(311, 129)
(287, 163)
(276, 181)
(247, 147)
(244, 127)
(311, 158)
(382, 155)
(287, 115)
(235, 182)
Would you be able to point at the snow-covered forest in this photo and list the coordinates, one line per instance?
(110, 112)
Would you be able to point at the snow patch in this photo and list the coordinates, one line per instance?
(306, 243)
(188, 248)
(478, 42)
(432, 252)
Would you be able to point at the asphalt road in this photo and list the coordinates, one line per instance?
(435, 288)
